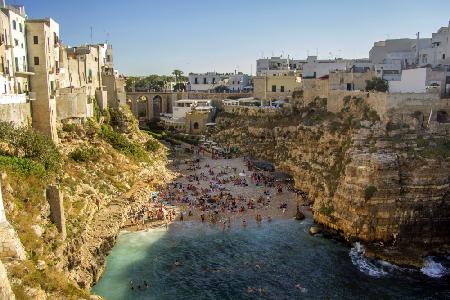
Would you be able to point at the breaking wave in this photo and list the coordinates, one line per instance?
(367, 266)
(433, 269)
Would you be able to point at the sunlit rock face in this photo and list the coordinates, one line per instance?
(368, 180)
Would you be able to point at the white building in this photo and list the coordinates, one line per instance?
(314, 68)
(437, 51)
(184, 106)
(16, 49)
(238, 82)
(419, 80)
(204, 82)
(276, 64)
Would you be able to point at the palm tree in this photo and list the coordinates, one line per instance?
(177, 73)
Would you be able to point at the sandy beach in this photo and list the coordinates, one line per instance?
(255, 194)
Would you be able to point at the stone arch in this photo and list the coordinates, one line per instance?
(442, 116)
(195, 125)
(157, 106)
(142, 111)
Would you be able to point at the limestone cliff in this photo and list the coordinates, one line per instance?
(108, 168)
(370, 181)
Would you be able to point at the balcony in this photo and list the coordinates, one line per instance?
(23, 70)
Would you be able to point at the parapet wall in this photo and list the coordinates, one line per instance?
(214, 96)
(255, 111)
(389, 105)
(73, 103)
(17, 113)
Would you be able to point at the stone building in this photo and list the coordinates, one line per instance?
(350, 80)
(14, 95)
(277, 86)
(43, 52)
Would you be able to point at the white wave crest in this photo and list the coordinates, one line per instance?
(433, 269)
(364, 264)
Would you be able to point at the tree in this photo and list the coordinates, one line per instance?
(177, 73)
(221, 89)
(377, 84)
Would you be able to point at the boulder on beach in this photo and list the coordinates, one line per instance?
(313, 230)
(299, 215)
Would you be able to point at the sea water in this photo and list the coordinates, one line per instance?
(277, 260)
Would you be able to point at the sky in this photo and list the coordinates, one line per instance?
(158, 36)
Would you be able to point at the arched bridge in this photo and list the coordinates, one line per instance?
(147, 106)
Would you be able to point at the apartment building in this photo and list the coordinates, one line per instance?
(276, 64)
(43, 52)
(276, 86)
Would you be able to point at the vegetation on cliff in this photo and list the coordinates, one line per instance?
(95, 164)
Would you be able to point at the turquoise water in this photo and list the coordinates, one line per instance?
(277, 260)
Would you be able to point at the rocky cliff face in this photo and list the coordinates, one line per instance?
(106, 172)
(369, 181)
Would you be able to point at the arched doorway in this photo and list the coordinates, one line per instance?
(142, 107)
(157, 105)
(442, 116)
(129, 103)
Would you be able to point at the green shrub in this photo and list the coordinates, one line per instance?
(369, 192)
(441, 149)
(377, 84)
(84, 154)
(121, 143)
(97, 112)
(326, 210)
(152, 145)
(27, 143)
(23, 166)
(69, 127)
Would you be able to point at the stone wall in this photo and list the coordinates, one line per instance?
(255, 111)
(17, 113)
(391, 105)
(6, 292)
(313, 88)
(55, 199)
(213, 96)
(73, 103)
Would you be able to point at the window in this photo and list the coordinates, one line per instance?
(196, 80)
(282, 88)
(35, 40)
(19, 88)
(20, 27)
(21, 45)
(204, 80)
(16, 42)
(36, 61)
(214, 80)
(274, 88)
(443, 56)
(14, 24)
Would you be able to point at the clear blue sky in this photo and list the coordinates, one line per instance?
(157, 36)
